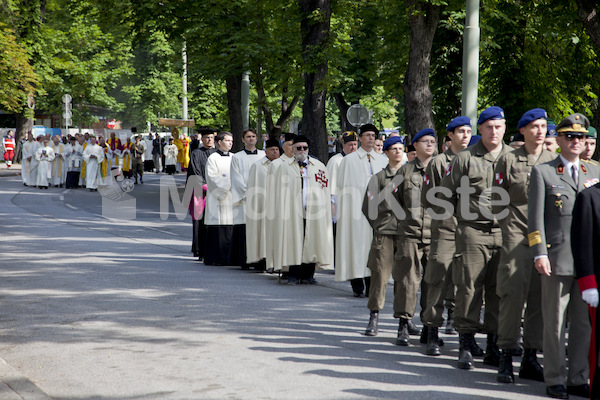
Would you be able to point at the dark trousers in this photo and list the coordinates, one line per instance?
(238, 246)
(218, 245)
(198, 237)
(360, 284)
(302, 271)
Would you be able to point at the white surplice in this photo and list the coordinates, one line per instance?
(256, 200)
(59, 165)
(354, 234)
(219, 204)
(274, 210)
(29, 167)
(92, 169)
(240, 169)
(44, 156)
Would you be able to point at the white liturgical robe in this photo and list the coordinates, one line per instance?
(354, 234)
(44, 156)
(240, 169)
(274, 210)
(332, 169)
(302, 244)
(29, 167)
(219, 206)
(59, 165)
(256, 200)
(93, 156)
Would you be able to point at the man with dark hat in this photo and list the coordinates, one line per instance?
(276, 208)
(590, 146)
(415, 234)
(478, 237)
(256, 200)
(354, 234)
(552, 191)
(438, 273)
(518, 283)
(306, 238)
(197, 167)
(384, 222)
(516, 141)
(240, 168)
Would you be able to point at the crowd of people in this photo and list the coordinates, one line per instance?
(483, 230)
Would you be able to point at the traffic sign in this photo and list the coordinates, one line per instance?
(358, 115)
(66, 98)
(67, 115)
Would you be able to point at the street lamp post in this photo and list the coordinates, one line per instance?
(471, 61)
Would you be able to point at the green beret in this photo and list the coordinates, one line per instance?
(592, 133)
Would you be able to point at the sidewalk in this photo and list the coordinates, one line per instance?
(14, 170)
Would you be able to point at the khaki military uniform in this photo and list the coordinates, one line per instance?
(517, 280)
(438, 273)
(552, 194)
(478, 238)
(415, 236)
(380, 215)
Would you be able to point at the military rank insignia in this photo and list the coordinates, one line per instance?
(560, 169)
(534, 238)
(583, 168)
(499, 178)
(558, 203)
(321, 179)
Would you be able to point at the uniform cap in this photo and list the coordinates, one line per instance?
(301, 139)
(389, 142)
(532, 115)
(577, 123)
(271, 143)
(288, 137)
(493, 112)
(349, 136)
(458, 121)
(474, 139)
(421, 133)
(592, 133)
(551, 130)
(368, 128)
(517, 137)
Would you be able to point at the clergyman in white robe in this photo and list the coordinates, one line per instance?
(59, 165)
(29, 167)
(44, 156)
(93, 155)
(354, 234)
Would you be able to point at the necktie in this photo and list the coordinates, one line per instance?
(574, 174)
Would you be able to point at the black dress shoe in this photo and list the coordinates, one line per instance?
(311, 281)
(579, 390)
(359, 294)
(292, 280)
(557, 392)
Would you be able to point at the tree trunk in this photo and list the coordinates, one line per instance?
(234, 103)
(315, 24)
(423, 20)
(345, 125)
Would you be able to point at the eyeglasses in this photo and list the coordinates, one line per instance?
(427, 142)
(301, 147)
(572, 136)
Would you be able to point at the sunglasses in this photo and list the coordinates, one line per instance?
(301, 147)
(572, 136)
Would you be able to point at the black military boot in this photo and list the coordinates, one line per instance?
(492, 353)
(465, 359)
(424, 334)
(505, 369)
(403, 336)
(476, 351)
(372, 327)
(433, 347)
(412, 329)
(530, 367)
(450, 323)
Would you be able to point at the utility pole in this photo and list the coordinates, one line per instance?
(471, 62)
(246, 100)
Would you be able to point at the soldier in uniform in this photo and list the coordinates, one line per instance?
(438, 273)
(585, 236)
(590, 146)
(478, 237)
(415, 235)
(552, 191)
(518, 282)
(380, 214)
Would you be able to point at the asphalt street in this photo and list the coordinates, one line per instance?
(93, 307)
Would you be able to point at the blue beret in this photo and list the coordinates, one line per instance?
(551, 131)
(421, 133)
(493, 112)
(389, 142)
(458, 121)
(474, 139)
(531, 116)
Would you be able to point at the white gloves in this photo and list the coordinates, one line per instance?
(590, 296)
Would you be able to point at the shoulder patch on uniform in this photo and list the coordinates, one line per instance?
(534, 238)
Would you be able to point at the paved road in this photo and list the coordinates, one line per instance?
(93, 308)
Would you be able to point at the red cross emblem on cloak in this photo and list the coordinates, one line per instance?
(426, 180)
(499, 178)
(448, 170)
(321, 179)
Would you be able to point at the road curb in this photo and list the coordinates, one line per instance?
(20, 384)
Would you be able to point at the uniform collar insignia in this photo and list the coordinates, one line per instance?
(583, 168)
(560, 169)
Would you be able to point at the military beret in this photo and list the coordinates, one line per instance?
(349, 136)
(301, 139)
(532, 115)
(493, 112)
(474, 139)
(288, 137)
(592, 133)
(458, 121)
(574, 123)
(421, 133)
(389, 142)
(271, 143)
(368, 128)
(410, 148)
(517, 137)
(551, 130)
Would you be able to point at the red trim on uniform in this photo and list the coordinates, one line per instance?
(587, 282)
